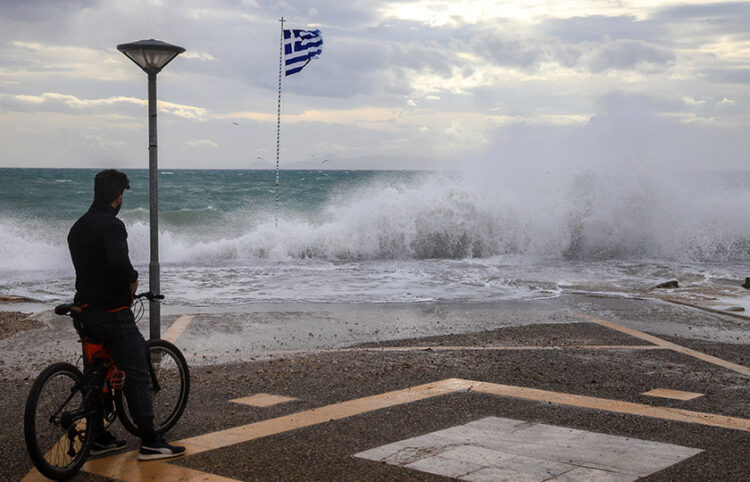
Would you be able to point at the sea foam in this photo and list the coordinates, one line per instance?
(584, 215)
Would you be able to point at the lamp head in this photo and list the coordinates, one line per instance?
(150, 55)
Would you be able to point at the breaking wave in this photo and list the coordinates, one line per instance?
(587, 216)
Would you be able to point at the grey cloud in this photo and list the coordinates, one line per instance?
(72, 105)
(510, 52)
(623, 54)
(57, 104)
(42, 10)
(729, 75)
(419, 56)
(698, 24)
(368, 61)
(597, 56)
(350, 65)
(630, 104)
(664, 26)
(597, 28)
(347, 73)
(353, 14)
(715, 14)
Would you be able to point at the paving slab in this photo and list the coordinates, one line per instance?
(515, 466)
(580, 474)
(529, 451)
(446, 467)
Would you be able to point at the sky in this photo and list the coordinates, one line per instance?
(399, 85)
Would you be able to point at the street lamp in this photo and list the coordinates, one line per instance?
(152, 56)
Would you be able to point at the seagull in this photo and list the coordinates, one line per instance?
(324, 160)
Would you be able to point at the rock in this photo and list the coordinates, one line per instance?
(746, 284)
(667, 285)
(15, 299)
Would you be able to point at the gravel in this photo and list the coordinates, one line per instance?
(12, 322)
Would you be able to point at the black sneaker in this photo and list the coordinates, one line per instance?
(159, 449)
(106, 443)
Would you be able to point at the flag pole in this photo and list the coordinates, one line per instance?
(278, 123)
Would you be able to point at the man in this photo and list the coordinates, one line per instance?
(105, 285)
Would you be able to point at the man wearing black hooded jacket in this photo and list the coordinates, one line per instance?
(105, 285)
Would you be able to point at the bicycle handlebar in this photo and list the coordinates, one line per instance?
(63, 309)
(149, 295)
(66, 308)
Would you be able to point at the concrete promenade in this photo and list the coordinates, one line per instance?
(575, 388)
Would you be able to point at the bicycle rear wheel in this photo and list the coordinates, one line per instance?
(56, 423)
(170, 397)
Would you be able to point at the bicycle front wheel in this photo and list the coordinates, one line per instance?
(56, 425)
(170, 394)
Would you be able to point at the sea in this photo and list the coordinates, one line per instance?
(477, 234)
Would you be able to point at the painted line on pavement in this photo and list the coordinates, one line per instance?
(176, 329)
(617, 406)
(701, 307)
(673, 394)
(263, 400)
(501, 348)
(126, 467)
(667, 344)
(437, 348)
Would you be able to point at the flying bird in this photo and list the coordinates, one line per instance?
(235, 123)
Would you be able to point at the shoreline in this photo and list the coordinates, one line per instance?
(261, 331)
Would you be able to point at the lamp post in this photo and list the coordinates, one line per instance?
(152, 56)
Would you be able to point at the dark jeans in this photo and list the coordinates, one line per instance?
(126, 345)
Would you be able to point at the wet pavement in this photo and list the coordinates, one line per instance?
(336, 381)
(260, 331)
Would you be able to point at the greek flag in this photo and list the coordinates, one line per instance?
(301, 46)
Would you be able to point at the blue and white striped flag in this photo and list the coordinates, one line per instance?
(301, 46)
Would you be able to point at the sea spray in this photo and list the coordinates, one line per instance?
(484, 233)
(586, 216)
(578, 215)
(30, 246)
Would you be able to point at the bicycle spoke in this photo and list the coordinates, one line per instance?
(57, 450)
(60, 449)
(167, 372)
(170, 391)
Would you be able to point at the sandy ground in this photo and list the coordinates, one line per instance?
(317, 371)
(12, 322)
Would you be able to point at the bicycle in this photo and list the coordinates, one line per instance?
(63, 402)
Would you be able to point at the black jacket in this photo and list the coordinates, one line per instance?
(98, 244)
